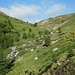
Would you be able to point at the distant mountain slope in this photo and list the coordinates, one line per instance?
(66, 22)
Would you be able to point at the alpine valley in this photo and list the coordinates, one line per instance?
(43, 48)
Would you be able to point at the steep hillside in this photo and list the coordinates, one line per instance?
(57, 59)
(46, 48)
(14, 35)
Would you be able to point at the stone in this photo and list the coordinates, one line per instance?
(55, 49)
(32, 50)
(13, 48)
(36, 58)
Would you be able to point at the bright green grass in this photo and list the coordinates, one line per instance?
(45, 57)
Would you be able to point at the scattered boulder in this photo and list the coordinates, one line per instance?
(43, 42)
(58, 63)
(57, 31)
(13, 53)
(32, 50)
(53, 42)
(29, 41)
(55, 49)
(36, 58)
(13, 48)
(51, 32)
(16, 54)
(23, 45)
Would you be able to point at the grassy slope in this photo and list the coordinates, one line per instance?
(49, 62)
(19, 27)
(16, 33)
(66, 22)
(46, 58)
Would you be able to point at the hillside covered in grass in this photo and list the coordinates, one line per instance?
(44, 48)
(14, 34)
(65, 22)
